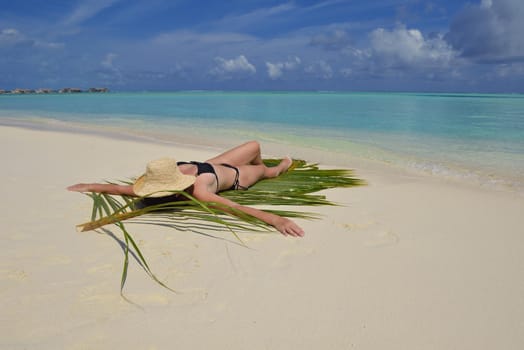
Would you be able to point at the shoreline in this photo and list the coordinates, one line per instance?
(402, 249)
(278, 148)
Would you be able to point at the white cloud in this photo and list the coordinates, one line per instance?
(486, 4)
(320, 69)
(49, 45)
(275, 70)
(9, 32)
(408, 47)
(189, 37)
(510, 70)
(87, 9)
(337, 39)
(490, 32)
(237, 65)
(11, 37)
(111, 73)
(107, 62)
(240, 22)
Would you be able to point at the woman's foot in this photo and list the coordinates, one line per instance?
(286, 163)
(283, 166)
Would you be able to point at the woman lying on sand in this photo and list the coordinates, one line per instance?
(238, 168)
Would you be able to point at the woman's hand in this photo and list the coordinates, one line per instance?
(79, 188)
(288, 227)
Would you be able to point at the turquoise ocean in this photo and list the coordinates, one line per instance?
(473, 137)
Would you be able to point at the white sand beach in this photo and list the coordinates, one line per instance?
(407, 262)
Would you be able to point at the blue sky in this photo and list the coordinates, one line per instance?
(382, 45)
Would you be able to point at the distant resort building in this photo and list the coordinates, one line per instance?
(22, 91)
(45, 91)
(98, 90)
(67, 90)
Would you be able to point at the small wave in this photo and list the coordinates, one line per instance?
(478, 177)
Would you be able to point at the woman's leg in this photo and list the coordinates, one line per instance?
(247, 158)
(251, 174)
(247, 153)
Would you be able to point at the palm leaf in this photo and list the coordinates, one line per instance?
(299, 186)
(296, 186)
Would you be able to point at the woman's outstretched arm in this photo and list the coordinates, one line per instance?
(284, 225)
(126, 190)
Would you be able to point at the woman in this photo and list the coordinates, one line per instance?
(238, 168)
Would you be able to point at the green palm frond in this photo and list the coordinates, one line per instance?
(299, 186)
(296, 186)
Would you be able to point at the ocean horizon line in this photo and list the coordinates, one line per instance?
(254, 91)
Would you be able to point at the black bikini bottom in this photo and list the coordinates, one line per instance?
(236, 183)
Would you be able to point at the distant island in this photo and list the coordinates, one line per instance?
(67, 90)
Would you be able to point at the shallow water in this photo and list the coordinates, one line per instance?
(477, 137)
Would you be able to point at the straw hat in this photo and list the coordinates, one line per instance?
(162, 175)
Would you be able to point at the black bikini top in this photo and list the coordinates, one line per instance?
(202, 168)
(206, 168)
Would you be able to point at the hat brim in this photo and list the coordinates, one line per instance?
(143, 188)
